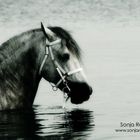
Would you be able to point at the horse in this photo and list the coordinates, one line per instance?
(47, 52)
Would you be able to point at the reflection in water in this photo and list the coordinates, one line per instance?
(46, 123)
(73, 124)
(18, 124)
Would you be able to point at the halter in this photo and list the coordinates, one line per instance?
(62, 73)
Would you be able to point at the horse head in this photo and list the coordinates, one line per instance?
(61, 65)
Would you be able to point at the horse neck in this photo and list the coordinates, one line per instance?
(19, 72)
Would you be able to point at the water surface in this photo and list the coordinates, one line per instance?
(44, 123)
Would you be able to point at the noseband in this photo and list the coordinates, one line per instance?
(62, 73)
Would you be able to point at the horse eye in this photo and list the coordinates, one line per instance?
(66, 56)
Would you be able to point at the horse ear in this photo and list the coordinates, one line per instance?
(48, 33)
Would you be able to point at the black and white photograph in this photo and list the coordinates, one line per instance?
(69, 70)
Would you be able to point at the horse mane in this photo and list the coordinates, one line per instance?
(70, 42)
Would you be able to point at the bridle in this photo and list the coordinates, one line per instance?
(62, 73)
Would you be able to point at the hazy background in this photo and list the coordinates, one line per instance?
(108, 31)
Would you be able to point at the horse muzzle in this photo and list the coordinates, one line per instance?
(79, 91)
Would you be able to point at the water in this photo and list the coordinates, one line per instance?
(108, 31)
(46, 123)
